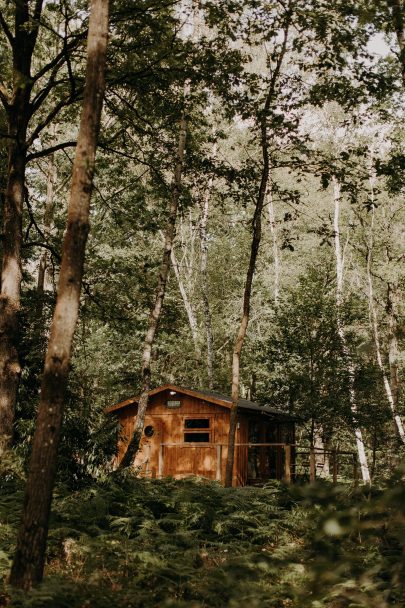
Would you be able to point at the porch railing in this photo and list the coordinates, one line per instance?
(293, 452)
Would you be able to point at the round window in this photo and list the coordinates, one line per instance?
(149, 431)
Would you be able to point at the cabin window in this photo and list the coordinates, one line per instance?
(197, 423)
(196, 437)
(194, 430)
(149, 431)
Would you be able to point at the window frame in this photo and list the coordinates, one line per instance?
(198, 431)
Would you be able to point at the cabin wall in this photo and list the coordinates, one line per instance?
(158, 456)
(169, 426)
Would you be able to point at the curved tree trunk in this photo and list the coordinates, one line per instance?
(28, 564)
(256, 238)
(204, 280)
(257, 223)
(156, 311)
(376, 336)
(342, 333)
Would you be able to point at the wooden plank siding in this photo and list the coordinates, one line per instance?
(159, 457)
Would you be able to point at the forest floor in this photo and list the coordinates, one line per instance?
(132, 543)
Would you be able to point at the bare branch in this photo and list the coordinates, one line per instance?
(50, 150)
(44, 246)
(48, 119)
(61, 56)
(6, 30)
(43, 94)
(38, 229)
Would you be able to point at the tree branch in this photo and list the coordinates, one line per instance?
(60, 56)
(42, 125)
(44, 246)
(37, 11)
(50, 150)
(33, 222)
(43, 94)
(107, 148)
(4, 96)
(6, 30)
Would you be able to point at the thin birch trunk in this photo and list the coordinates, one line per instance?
(156, 311)
(48, 218)
(204, 279)
(256, 238)
(393, 352)
(187, 304)
(376, 336)
(29, 560)
(276, 252)
(342, 333)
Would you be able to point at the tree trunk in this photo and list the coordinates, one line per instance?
(342, 333)
(393, 353)
(48, 217)
(398, 21)
(10, 292)
(187, 304)
(256, 238)
(28, 564)
(276, 252)
(376, 336)
(204, 280)
(156, 311)
(18, 112)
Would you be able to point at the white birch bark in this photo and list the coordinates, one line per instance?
(204, 279)
(376, 333)
(393, 353)
(342, 333)
(276, 252)
(48, 217)
(187, 304)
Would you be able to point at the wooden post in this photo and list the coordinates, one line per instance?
(160, 466)
(287, 464)
(355, 471)
(334, 465)
(219, 462)
(312, 464)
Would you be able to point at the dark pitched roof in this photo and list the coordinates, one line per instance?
(211, 397)
(245, 404)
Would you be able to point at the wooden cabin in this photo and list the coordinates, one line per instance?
(186, 433)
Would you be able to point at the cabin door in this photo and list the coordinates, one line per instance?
(147, 458)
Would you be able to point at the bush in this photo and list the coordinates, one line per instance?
(132, 542)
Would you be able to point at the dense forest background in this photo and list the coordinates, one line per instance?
(337, 116)
(210, 105)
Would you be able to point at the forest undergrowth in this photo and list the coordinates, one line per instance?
(129, 542)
